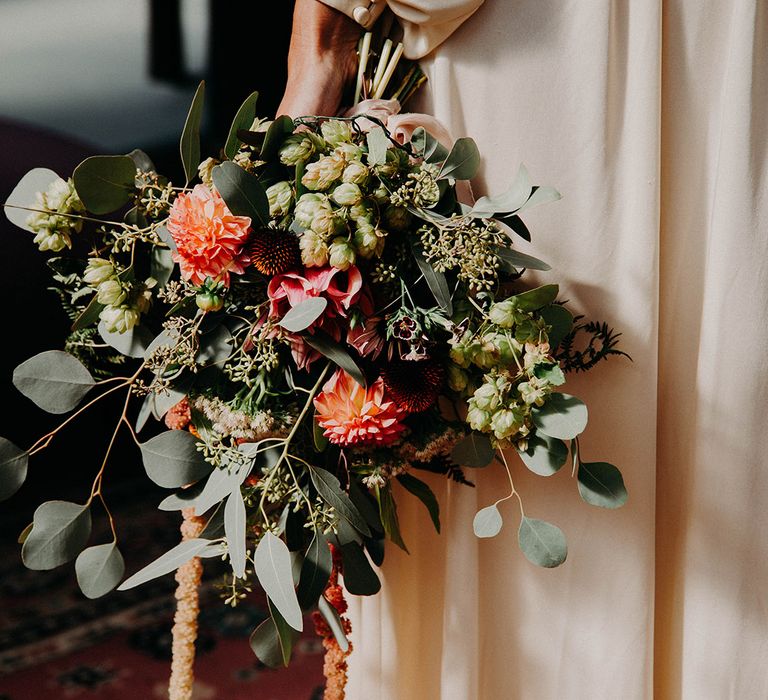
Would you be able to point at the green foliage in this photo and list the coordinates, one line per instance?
(286, 635)
(243, 120)
(24, 195)
(172, 560)
(171, 459)
(560, 321)
(325, 345)
(329, 489)
(315, 571)
(462, 162)
(513, 259)
(242, 191)
(59, 532)
(425, 494)
(563, 416)
(378, 144)
(331, 616)
(272, 564)
(544, 455)
(542, 543)
(132, 343)
(276, 134)
(474, 451)
(189, 144)
(535, 299)
(303, 315)
(359, 576)
(54, 380)
(427, 146)
(601, 344)
(509, 201)
(265, 644)
(234, 529)
(99, 569)
(487, 522)
(388, 515)
(13, 468)
(105, 183)
(601, 484)
(435, 280)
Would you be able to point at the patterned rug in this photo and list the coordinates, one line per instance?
(55, 643)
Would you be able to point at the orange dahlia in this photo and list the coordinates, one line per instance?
(209, 239)
(353, 415)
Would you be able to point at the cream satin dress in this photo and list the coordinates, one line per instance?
(651, 119)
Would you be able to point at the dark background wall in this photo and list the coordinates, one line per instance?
(81, 77)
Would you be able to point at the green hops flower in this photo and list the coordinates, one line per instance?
(397, 218)
(341, 254)
(347, 194)
(46, 239)
(505, 423)
(98, 271)
(502, 313)
(320, 175)
(307, 207)
(478, 419)
(356, 172)
(369, 241)
(299, 148)
(51, 227)
(280, 197)
(326, 221)
(380, 195)
(533, 391)
(205, 171)
(487, 397)
(361, 211)
(314, 249)
(119, 319)
(457, 378)
(111, 293)
(336, 132)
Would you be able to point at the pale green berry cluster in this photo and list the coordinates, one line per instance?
(124, 301)
(52, 227)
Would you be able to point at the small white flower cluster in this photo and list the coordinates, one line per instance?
(52, 226)
(229, 422)
(124, 302)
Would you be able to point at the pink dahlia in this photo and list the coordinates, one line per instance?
(353, 415)
(209, 239)
(365, 336)
(341, 289)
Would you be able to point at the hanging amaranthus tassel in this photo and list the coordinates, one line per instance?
(335, 663)
(185, 620)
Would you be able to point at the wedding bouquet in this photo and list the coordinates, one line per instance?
(316, 317)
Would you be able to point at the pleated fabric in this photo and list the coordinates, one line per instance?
(651, 120)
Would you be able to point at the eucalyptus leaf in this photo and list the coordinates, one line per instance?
(303, 315)
(435, 280)
(234, 529)
(272, 563)
(242, 192)
(243, 120)
(89, 315)
(315, 571)
(366, 504)
(215, 346)
(171, 560)
(145, 411)
(218, 485)
(388, 515)
(132, 343)
(99, 569)
(142, 161)
(22, 538)
(184, 497)
(171, 459)
(329, 489)
(378, 144)
(425, 494)
(513, 259)
(318, 436)
(60, 531)
(427, 146)
(375, 547)
(359, 576)
(105, 183)
(165, 236)
(487, 522)
(474, 451)
(544, 455)
(328, 347)
(542, 543)
(560, 321)
(161, 265)
(54, 380)
(534, 299)
(189, 145)
(601, 484)
(265, 644)
(276, 134)
(509, 201)
(13, 468)
(24, 195)
(331, 616)
(286, 635)
(462, 162)
(541, 195)
(562, 416)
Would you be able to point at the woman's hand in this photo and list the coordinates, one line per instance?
(322, 60)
